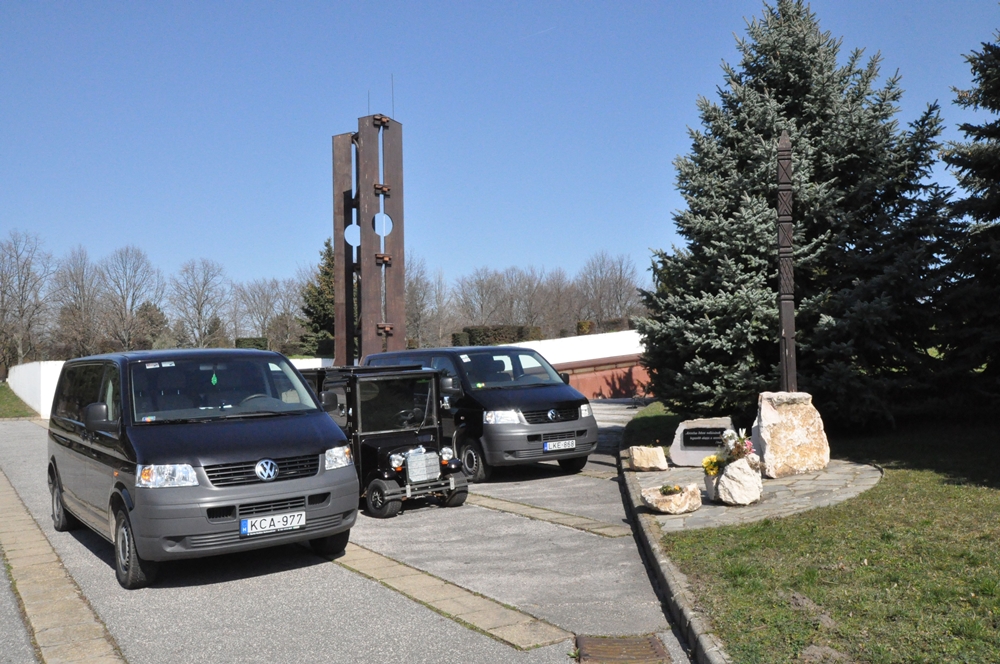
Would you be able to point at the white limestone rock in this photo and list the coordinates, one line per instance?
(788, 434)
(738, 483)
(680, 503)
(647, 458)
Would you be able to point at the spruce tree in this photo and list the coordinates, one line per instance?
(319, 303)
(972, 315)
(869, 233)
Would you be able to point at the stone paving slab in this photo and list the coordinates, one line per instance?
(781, 497)
(516, 628)
(61, 623)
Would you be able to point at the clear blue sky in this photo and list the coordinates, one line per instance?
(535, 133)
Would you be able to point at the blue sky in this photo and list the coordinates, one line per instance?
(535, 133)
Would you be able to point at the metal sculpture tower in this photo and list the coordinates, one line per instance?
(370, 312)
(786, 277)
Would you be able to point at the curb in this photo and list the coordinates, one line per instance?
(693, 624)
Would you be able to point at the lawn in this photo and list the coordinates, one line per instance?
(11, 405)
(906, 572)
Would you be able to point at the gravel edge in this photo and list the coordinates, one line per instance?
(693, 625)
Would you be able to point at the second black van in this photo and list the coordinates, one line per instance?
(505, 406)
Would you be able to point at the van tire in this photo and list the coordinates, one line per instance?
(331, 545)
(131, 570)
(378, 505)
(474, 463)
(573, 465)
(62, 520)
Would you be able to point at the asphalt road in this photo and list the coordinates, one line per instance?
(287, 604)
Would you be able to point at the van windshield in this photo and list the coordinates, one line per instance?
(498, 369)
(214, 388)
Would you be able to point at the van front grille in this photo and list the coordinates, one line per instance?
(542, 416)
(538, 453)
(256, 509)
(236, 474)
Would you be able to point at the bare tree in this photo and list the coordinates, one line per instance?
(609, 288)
(128, 280)
(418, 301)
(285, 330)
(479, 296)
(76, 295)
(259, 300)
(442, 318)
(24, 271)
(199, 295)
(562, 305)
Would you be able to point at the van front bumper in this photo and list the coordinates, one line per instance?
(512, 444)
(204, 520)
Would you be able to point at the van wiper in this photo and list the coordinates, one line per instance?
(260, 413)
(179, 420)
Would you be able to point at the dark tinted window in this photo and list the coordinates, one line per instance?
(111, 392)
(80, 387)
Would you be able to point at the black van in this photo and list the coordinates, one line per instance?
(506, 406)
(189, 453)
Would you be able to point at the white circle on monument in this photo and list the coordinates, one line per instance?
(382, 224)
(353, 235)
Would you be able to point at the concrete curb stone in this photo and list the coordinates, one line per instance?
(706, 646)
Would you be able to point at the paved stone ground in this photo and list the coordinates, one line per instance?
(781, 497)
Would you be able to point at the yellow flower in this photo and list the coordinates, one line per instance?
(712, 464)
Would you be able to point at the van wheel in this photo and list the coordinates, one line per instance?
(132, 571)
(379, 506)
(574, 465)
(474, 463)
(61, 519)
(331, 545)
(456, 497)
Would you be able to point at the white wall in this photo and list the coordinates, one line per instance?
(312, 363)
(587, 347)
(35, 384)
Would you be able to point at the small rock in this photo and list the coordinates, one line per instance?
(680, 503)
(647, 458)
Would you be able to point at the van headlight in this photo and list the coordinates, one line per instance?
(500, 417)
(158, 477)
(338, 457)
(585, 410)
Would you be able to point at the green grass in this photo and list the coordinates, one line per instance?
(652, 426)
(908, 571)
(11, 405)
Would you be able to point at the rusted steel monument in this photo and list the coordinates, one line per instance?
(370, 314)
(786, 277)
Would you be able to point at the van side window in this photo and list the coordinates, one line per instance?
(443, 364)
(111, 392)
(80, 387)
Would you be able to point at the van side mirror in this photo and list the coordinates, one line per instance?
(451, 387)
(95, 418)
(328, 400)
(565, 377)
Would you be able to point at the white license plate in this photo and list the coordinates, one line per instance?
(272, 523)
(559, 445)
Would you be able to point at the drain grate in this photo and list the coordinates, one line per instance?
(634, 649)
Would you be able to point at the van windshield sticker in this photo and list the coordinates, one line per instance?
(153, 365)
(465, 358)
(149, 418)
(166, 364)
(478, 385)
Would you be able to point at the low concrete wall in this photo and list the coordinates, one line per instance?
(35, 384)
(607, 378)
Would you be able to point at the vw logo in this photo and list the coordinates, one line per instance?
(553, 415)
(266, 470)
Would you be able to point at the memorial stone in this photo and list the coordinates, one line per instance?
(696, 439)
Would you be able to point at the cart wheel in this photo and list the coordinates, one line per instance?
(474, 463)
(132, 571)
(379, 506)
(456, 497)
(331, 545)
(574, 465)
